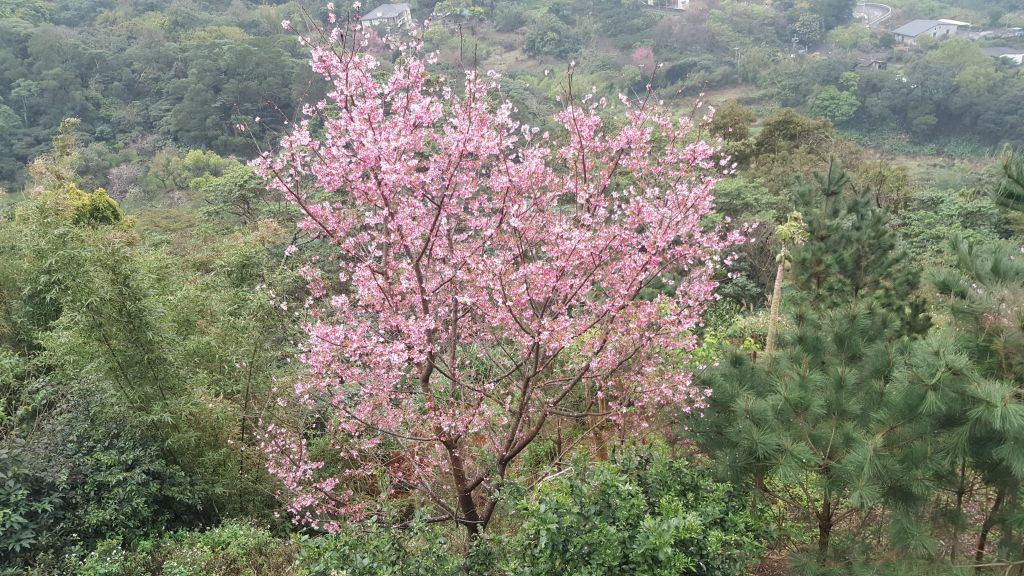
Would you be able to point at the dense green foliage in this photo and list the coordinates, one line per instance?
(185, 73)
(146, 78)
(136, 367)
(646, 515)
(640, 514)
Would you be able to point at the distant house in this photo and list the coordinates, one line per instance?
(673, 4)
(871, 63)
(391, 16)
(1014, 54)
(914, 30)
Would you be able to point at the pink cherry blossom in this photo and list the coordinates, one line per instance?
(486, 285)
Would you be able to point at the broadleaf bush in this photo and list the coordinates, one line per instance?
(641, 513)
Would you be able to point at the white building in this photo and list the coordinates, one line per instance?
(673, 4)
(391, 16)
(1014, 54)
(914, 30)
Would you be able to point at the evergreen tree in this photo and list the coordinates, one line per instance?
(984, 413)
(852, 255)
(830, 426)
(1010, 191)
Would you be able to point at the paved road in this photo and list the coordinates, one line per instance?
(872, 14)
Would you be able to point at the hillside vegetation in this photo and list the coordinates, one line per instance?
(544, 287)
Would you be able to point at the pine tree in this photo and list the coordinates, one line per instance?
(827, 427)
(984, 414)
(1010, 192)
(852, 255)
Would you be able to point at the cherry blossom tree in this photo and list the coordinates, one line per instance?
(487, 280)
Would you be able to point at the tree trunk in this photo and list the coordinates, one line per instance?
(773, 316)
(600, 440)
(824, 536)
(467, 506)
(987, 525)
(960, 493)
(824, 528)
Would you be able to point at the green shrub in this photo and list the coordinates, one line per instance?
(935, 216)
(643, 513)
(24, 513)
(417, 551)
(509, 18)
(110, 559)
(549, 37)
(94, 209)
(117, 479)
(233, 549)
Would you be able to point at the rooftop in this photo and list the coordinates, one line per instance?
(916, 27)
(386, 11)
(996, 51)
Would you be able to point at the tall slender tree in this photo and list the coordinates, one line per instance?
(792, 233)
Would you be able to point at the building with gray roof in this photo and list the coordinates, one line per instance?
(392, 16)
(914, 30)
(1014, 54)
